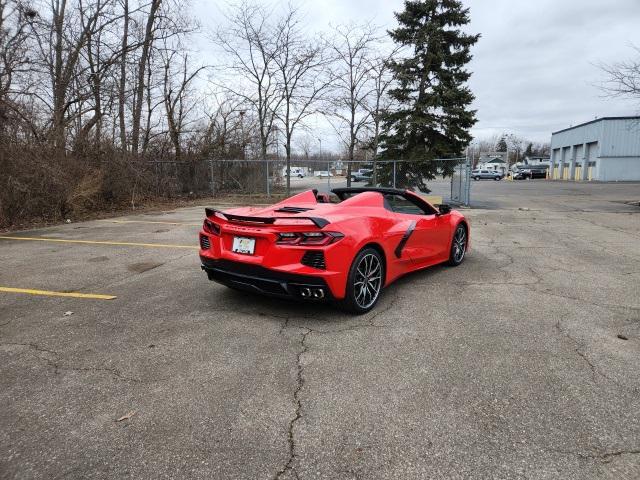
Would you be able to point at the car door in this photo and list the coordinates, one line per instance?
(426, 239)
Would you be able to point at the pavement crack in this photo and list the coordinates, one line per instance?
(300, 381)
(380, 311)
(288, 467)
(607, 306)
(608, 456)
(604, 457)
(578, 350)
(113, 371)
(58, 366)
(52, 363)
(284, 325)
(595, 371)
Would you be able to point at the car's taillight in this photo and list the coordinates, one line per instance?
(308, 238)
(211, 227)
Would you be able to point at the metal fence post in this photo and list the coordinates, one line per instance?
(394, 174)
(329, 175)
(460, 191)
(468, 181)
(268, 190)
(213, 183)
(451, 186)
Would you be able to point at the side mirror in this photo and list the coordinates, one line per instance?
(443, 209)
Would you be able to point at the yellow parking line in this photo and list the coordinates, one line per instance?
(49, 293)
(149, 221)
(96, 242)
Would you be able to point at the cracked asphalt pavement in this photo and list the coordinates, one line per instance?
(513, 365)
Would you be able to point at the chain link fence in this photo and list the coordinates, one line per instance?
(461, 183)
(269, 177)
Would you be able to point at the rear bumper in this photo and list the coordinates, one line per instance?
(258, 279)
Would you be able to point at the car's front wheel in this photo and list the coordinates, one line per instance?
(458, 246)
(365, 281)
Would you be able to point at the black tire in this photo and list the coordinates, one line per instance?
(476, 178)
(363, 271)
(458, 245)
(497, 179)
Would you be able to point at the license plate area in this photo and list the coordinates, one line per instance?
(244, 245)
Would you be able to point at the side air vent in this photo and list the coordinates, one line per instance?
(293, 209)
(314, 259)
(204, 242)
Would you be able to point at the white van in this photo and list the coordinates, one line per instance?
(299, 172)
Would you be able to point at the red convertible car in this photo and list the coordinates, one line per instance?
(315, 248)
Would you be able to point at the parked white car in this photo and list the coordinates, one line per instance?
(323, 174)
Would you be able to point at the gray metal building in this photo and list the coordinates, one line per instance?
(606, 149)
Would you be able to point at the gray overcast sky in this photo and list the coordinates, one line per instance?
(533, 68)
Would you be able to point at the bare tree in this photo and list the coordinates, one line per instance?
(122, 81)
(147, 42)
(250, 47)
(222, 137)
(176, 96)
(623, 78)
(14, 61)
(305, 144)
(61, 38)
(378, 102)
(302, 74)
(353, 49)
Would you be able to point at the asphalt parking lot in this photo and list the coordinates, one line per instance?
(509, 366)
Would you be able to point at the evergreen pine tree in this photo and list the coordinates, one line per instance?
(432, 119)
(529, 151)
(501, 146)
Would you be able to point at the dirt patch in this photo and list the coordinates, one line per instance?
(98, 259)
(143, 266)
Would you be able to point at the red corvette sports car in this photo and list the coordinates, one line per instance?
(314, 248)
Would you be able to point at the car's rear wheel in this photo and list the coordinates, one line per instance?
(365, 281)
(458, 246)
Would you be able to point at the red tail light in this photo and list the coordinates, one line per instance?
(211, 227)
(308, 238)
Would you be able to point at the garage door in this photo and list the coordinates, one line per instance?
(592, 155)
(579, 158)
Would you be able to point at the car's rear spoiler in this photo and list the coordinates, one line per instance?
(210, 212)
